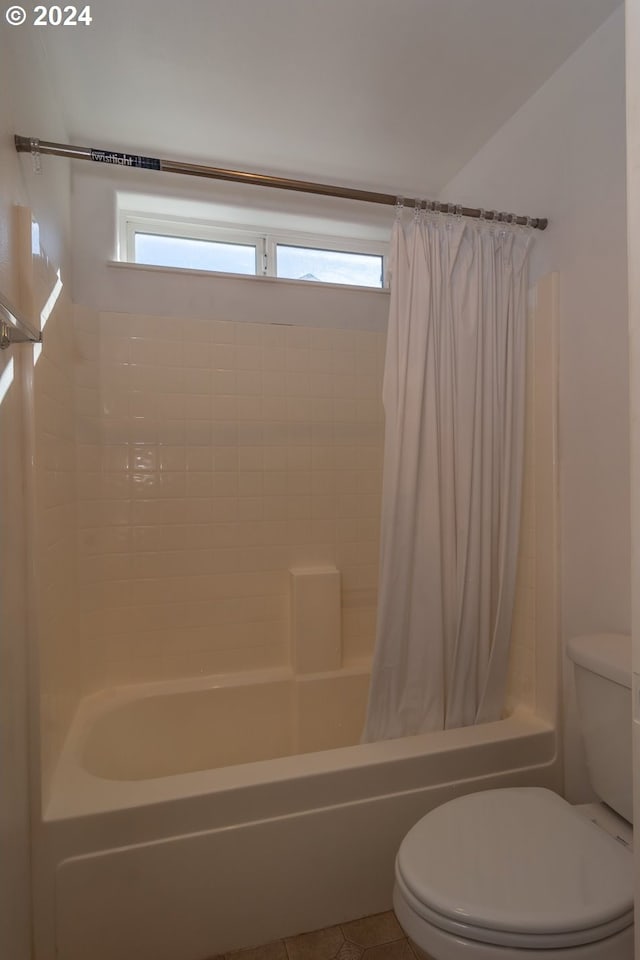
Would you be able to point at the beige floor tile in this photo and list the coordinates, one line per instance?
(269, 951)
(319, 945)
(396, 950)
(371, 931)
(418, 953)
(350, 951)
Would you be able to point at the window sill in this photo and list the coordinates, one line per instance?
(181, 271)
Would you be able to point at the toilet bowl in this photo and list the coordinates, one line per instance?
(519, 873)
(513, 872)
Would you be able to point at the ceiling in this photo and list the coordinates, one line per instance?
(393, 95)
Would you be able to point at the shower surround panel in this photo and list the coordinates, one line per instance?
(51, 503)
(213, 456)
(522, 657)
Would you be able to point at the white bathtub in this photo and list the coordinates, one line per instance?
(221, 722)
(177, 829)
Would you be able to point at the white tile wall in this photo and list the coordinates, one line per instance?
(212, 456)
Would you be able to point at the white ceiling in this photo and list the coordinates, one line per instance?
(394, 95)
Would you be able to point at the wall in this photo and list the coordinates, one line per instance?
(633, 200)
(562, 155)
(53, 530)
(14, 727)
(28, 587)
(98, 190)
(521, 681)
(228, 428)
(534, 664)
(213, 455)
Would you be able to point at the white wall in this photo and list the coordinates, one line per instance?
(27, 106)
(212, 457)
(563, 156)
(95, 190)
(633, 207)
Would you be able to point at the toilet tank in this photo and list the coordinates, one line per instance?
(602, 669)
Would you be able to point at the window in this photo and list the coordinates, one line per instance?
(329, 266)
(192, 254)
(216, 247)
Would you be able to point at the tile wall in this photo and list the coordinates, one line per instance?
(212, 457)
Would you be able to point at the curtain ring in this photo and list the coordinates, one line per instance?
(399, 207)
(34, 143)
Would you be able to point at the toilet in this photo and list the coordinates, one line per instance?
(519, 873)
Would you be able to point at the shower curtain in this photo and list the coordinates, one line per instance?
(453, 392)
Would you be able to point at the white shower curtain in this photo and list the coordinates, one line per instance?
(454, 390)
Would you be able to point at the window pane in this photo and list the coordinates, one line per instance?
(161, 251)
(329, 266)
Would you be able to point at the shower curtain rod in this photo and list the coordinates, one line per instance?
(36, 147)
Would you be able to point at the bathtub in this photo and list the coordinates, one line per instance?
(221, 722)
(178, 828)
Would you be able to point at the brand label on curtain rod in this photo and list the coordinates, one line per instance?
(124, 159)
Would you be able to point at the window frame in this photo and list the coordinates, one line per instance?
(187, 231)
(265, 240)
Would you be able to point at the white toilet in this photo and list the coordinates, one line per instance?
(518, 873)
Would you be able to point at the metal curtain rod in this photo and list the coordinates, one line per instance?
(14, 328)
(36, 147)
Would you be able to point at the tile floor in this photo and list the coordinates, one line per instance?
(379, 937)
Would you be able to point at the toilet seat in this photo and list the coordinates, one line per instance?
(516, 867)
(502, 938)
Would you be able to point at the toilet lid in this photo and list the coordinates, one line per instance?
(521, 861)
